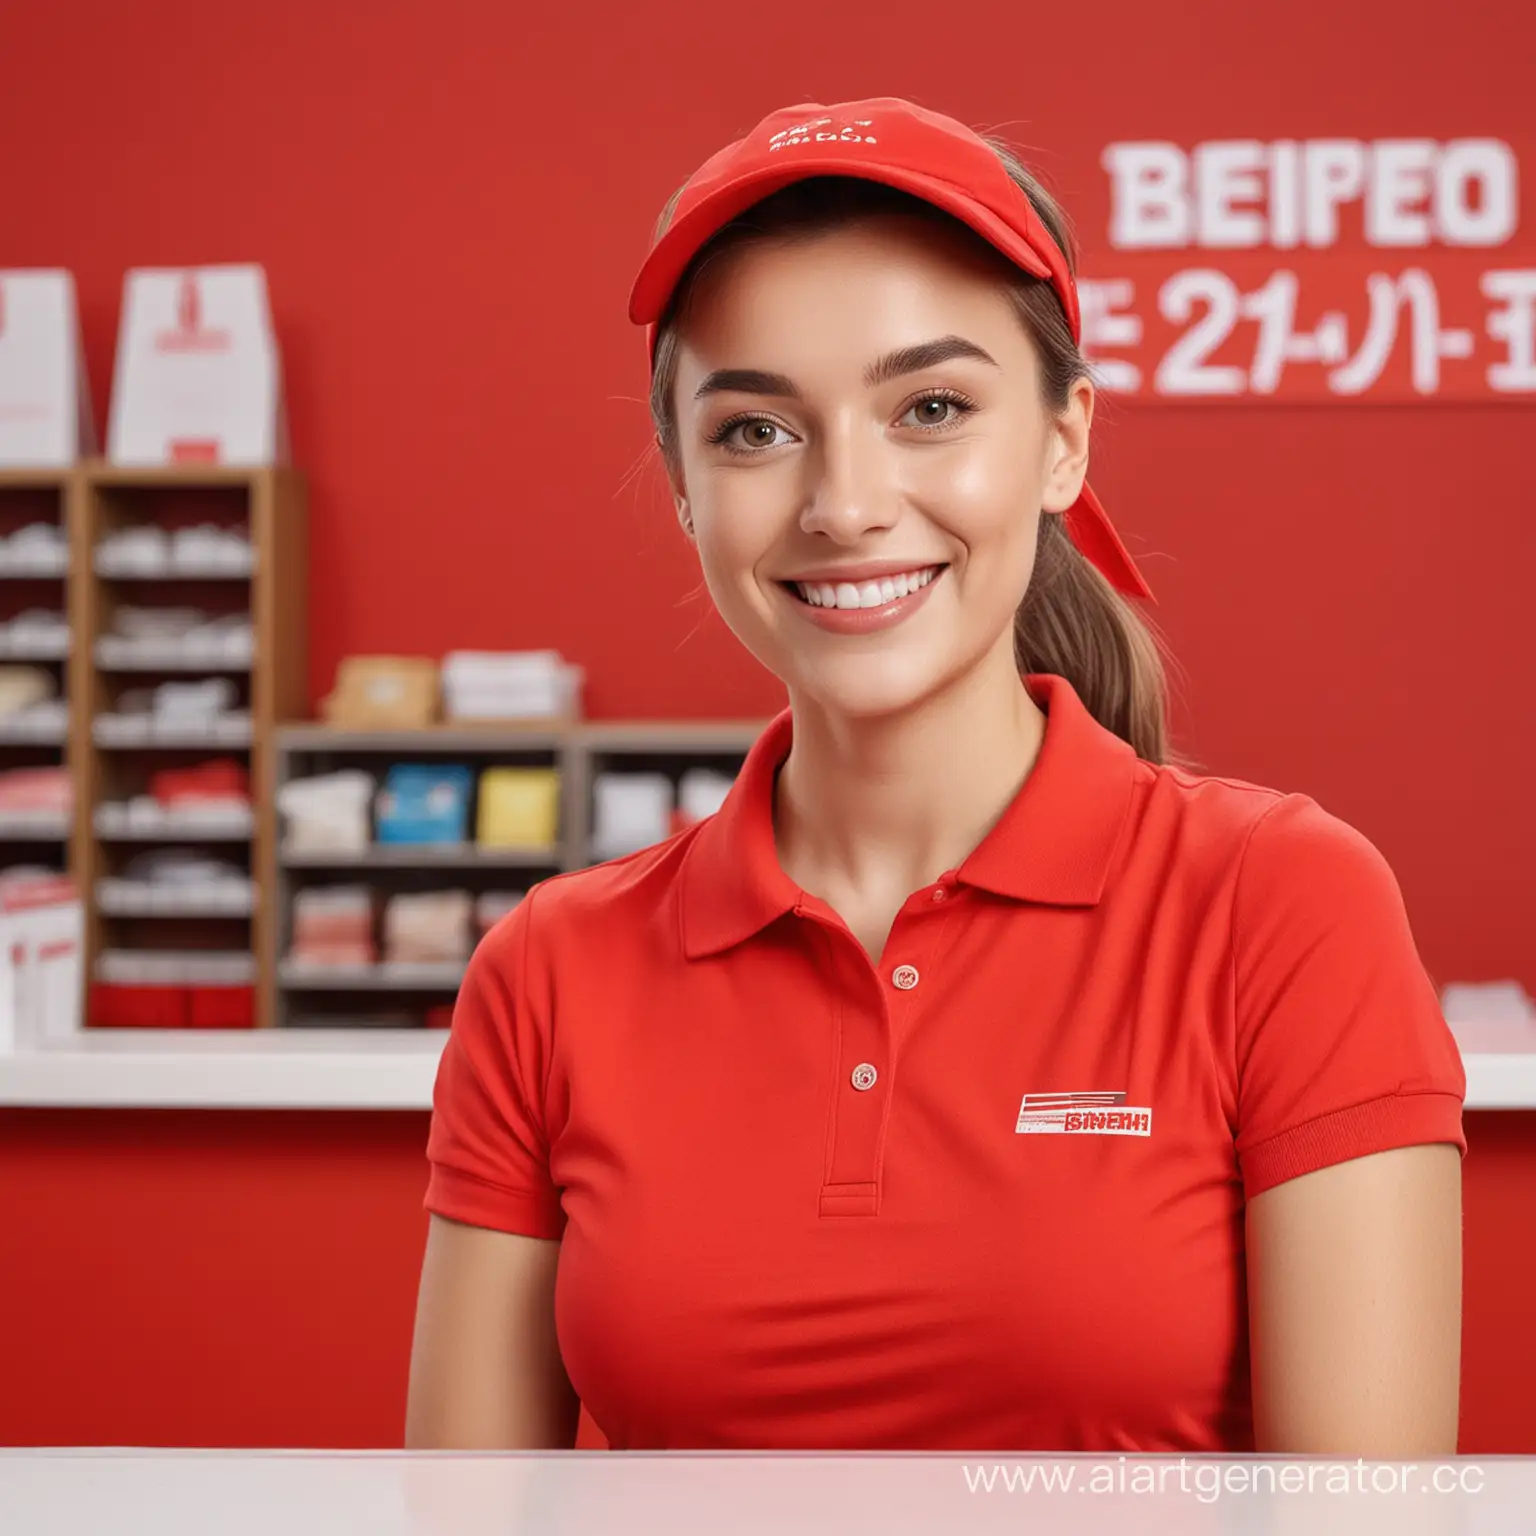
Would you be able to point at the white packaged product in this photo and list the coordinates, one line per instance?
(203, 701)
(701, 792)
(428, 928)
(331, 812)
(135, 551)
(630, 811)
(509, 685)
(38, 549)
(208, 547)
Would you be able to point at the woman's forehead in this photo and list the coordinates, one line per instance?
(849, 294)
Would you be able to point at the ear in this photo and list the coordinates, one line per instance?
(679, 496)
(1066, 464)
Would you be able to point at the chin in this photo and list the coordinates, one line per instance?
(869, 691)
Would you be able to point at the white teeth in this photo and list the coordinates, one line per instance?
(868, 594)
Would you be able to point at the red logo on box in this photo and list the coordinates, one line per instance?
(189, 335)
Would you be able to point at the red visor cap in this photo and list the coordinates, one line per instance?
(926, 154)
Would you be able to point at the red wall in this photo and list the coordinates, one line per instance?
(189, 1278)
(450, 199)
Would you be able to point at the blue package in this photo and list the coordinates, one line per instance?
(424, 803)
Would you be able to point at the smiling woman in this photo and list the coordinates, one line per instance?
(975, 1078)
(1071, 622)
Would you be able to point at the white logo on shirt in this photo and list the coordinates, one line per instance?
(1084, 1114)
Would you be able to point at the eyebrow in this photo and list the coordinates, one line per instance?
(913, 359)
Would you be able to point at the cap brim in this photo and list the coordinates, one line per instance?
(669, 257)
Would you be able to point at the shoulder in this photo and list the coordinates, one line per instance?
(1268, 841)
(1312, 912)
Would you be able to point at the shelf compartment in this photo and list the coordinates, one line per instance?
(254, 568)
(176, 968)
(114, 821)
(108, 730)
(54, 648)
(386, 976)
(482, 740)
(114, 568)
(34, 827)
(117, 653)
(41, 565)
(150, 898)
(424, 856)
(33, 733)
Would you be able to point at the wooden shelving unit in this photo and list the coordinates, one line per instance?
(29, 497)
(113, 756)
(359, 995)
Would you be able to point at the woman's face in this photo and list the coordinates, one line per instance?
(863, 458)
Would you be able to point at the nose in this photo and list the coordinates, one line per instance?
(850, 493)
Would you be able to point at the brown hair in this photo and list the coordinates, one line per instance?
(1072, 622)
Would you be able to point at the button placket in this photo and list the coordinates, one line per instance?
(858, 1105)
(872, 1022)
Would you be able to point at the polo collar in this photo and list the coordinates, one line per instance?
(733, 885)
(1054, 845)
(1056, 842)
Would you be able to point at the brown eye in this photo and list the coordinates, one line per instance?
(749, 434)
(937, 412)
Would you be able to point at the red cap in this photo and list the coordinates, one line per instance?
(923, 153)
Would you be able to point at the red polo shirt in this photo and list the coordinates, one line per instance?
(986, 1193)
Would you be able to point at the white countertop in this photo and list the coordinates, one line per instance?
(681, 1493)
(228, 1069)
(395, 1068)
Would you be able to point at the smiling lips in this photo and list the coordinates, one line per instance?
(861, 601)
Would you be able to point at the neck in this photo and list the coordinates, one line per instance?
(876, 808)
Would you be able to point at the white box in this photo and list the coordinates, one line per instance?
(45, 406)
(630, 811)
(509, 685)
(42, 996)
(197, 376)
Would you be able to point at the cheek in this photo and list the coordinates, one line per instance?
(731, 547)
(988, 497)
(738, 520)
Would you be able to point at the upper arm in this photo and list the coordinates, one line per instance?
(1349, 1098)
(1354, 1293)
(485, 1364)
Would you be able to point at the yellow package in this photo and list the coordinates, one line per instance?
(519, 808)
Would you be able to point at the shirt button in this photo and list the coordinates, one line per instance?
(905, 977)
(864, 1076)
(940, 894)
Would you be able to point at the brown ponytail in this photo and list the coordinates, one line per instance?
(1072, 622)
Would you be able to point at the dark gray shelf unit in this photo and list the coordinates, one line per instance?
(578, 752)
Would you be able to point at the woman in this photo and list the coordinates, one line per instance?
(975, 1078)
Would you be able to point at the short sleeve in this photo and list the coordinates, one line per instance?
(1341, 1047)
(487, 1150)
